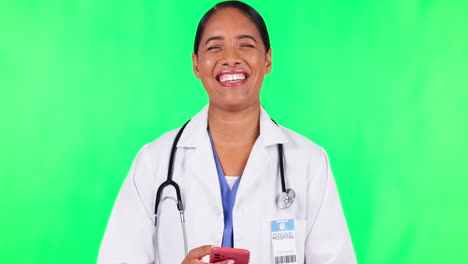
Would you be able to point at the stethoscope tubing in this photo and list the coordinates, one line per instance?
(169, 181)
(180, 206)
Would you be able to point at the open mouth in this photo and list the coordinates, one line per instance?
(232, 78)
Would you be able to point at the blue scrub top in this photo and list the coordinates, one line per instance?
(228, 197)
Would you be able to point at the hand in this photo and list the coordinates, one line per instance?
(195, 255)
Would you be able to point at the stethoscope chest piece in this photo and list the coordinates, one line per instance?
(286, 199)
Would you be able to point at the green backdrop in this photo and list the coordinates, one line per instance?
(381, 85)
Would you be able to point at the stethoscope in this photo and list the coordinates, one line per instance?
(284, 200)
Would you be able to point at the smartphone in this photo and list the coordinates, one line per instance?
(241, 256)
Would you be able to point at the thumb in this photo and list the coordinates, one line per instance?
(227, 261)
(200, 252)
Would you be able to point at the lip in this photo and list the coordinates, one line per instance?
(232, 84)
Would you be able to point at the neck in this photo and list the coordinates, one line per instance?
(234, 127)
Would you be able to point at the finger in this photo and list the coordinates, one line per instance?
(196, 261)
(200, 252)
(227, 261)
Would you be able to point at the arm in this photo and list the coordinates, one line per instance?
(328, 240)
(129, 233)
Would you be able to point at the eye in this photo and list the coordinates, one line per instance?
(213, 48)
(245, 45)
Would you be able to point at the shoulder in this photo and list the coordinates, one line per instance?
(151, 158)
(309, 160)
(164, 141)
(306, 155)
(161, 145)
(153, 153)
(303, 146)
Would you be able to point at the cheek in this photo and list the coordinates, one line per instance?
(257, 61)
(206, 65)
(258, 65)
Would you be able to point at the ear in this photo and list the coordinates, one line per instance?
(268, 62)
(196, 70)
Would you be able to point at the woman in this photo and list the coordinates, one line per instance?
(228, 165)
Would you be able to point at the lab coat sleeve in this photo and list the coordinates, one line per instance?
(129, 234)
(328, 240)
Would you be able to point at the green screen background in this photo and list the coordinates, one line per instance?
(381, 85)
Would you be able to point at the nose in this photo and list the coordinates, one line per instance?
(231, 57)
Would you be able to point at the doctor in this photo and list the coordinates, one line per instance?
(227, 164)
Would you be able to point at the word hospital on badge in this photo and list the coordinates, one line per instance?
(283, 238)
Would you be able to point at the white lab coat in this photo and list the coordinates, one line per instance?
(321, 232)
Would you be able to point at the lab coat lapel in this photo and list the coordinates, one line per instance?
(262, 160)
(254, 171)
(204, 169)
(201, 160)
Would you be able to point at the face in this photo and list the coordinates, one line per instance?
(231, 60)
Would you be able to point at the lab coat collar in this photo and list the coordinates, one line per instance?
(195, 131)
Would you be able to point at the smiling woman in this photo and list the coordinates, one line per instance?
(229, 169)
(231, 56)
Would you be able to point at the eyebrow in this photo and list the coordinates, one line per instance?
(237, 37)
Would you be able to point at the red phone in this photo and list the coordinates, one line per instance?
(241, 256)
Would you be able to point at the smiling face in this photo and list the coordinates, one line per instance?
(231, 60)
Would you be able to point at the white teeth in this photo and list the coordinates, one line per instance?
(225, 78)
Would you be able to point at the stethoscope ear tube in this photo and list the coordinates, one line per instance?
(281, 165)
(169, 181)
(287, 196)
(172, 183)
(170, 170)
(158, 199)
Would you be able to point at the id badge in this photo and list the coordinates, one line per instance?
(283, 238)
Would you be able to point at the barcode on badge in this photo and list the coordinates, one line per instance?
(285, 259)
